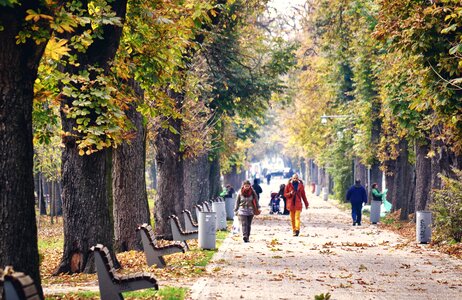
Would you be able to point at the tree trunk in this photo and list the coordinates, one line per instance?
(376, 175)
(315, 173)
(18, 71)
(41, 197)
(215, 182)
(196, 181)
(360, 172)
(85, 209)
(234, 178)
(169, 158)
(423, 177)
(404, 182)
(390, 179)
(129, 186)
(86, 192)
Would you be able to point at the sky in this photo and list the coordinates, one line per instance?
(285, 6)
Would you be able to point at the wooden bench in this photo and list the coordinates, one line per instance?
(207, 206)
(18, 286)
(189, 223)
(179, 234)
(154, 254)
(110, 284)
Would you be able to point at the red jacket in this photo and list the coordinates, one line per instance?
(299, 195)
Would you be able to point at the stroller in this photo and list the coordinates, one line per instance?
(274, 204)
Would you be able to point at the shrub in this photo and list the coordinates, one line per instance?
(447, 209)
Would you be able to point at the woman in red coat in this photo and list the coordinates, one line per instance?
(295, 193)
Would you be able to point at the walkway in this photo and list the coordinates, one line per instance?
(329, 256)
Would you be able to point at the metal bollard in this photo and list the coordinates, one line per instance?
(229, 204)
(423, 226)
(219, 208)
(207, 230)
(375, 211)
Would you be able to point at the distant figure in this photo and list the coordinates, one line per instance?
(256, 187)
(295, 193)
(244, 208)
(357, 196)
(281, 194)
(229, 191)
(268, 178)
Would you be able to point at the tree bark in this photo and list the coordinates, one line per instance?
(170, 167)
(86, 195)
(129, 186)
(234, 178)
(404, 183)
(18, 71)
(196, 181)
(390, 179)
(215, 181)
(423, 176)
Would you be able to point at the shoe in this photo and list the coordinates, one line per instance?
(246, 240)
(294, 233)
(297, 232)
(359, 224)
(374, 223)
(354, 223)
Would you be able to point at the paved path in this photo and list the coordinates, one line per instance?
(329, 256)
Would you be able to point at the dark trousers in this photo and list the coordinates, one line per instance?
(246, 224)
(356, 212)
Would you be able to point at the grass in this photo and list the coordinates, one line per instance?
(165, 293)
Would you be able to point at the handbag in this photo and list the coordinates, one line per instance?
(256, 211)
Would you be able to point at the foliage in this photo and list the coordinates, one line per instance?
(426, 33)
(447, 208)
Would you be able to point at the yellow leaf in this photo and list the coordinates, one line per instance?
(56, 49)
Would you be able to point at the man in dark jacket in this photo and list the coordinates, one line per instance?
(357, 196)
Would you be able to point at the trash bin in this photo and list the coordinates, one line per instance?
(318, 190)
(423, 226)
(229, 204)
(220, 209)
(207, 230)
(325, 194)
(375, 211)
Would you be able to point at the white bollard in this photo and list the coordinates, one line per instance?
(229, 203)
(207, 230)
(219, 208)
(423, 227)
(375, 211)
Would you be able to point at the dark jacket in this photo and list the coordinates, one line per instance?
(357, 194)
(257, 188)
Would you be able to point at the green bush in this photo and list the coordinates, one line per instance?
(447, 209)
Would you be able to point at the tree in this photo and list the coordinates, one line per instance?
(24, 31)
(87, 115)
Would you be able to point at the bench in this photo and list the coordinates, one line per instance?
(189, 223)
(18, 286)
(154, 254)
(178, 233)
(110, 284)
(207, 206)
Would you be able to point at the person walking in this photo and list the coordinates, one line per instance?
(357, 196)
(295, 193)
(256, 187)
(244, 208)
(376, 203)
(281, 195)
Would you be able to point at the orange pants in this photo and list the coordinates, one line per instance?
(295, 219)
